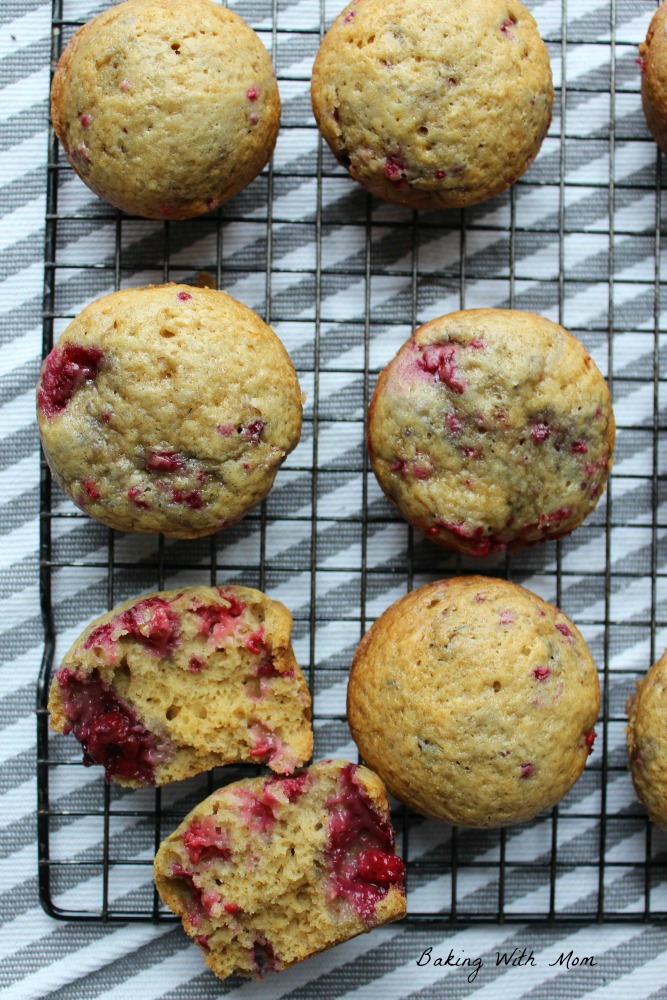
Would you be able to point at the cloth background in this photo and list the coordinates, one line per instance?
(576, 240)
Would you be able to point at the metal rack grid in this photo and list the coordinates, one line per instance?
(344, 280)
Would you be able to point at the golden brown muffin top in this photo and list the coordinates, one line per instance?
(475, 701)
(492, 429)
(166, 108)
(433, 104)
(168, 408)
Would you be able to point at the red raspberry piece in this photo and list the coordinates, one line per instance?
(65, 370)
(381, 867)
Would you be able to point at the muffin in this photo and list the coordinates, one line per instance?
(433, 103)
(647, 741)
(653, 63)
(166, 108)
(183, 681)
(492, 429)
(168, 409)
(268, 871)
(475, 701)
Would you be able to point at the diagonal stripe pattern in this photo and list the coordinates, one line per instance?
(343, 280)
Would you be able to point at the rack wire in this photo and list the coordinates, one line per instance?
(344, 280)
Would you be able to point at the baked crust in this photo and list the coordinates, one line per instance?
(475, 701)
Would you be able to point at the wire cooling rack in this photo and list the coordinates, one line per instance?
(344, 280)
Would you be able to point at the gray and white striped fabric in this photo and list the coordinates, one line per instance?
(343, 280)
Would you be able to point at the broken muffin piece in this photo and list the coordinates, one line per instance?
(179, 682)
(268, 871)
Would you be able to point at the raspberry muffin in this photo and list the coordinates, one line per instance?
(433, 103)
(653, 63)
(647, 741)
(493, 696)
(168, 409)
(492, 429)
(166, 108)
(183, 681)
(268, 871)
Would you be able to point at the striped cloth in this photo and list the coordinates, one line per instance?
(332, 255)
